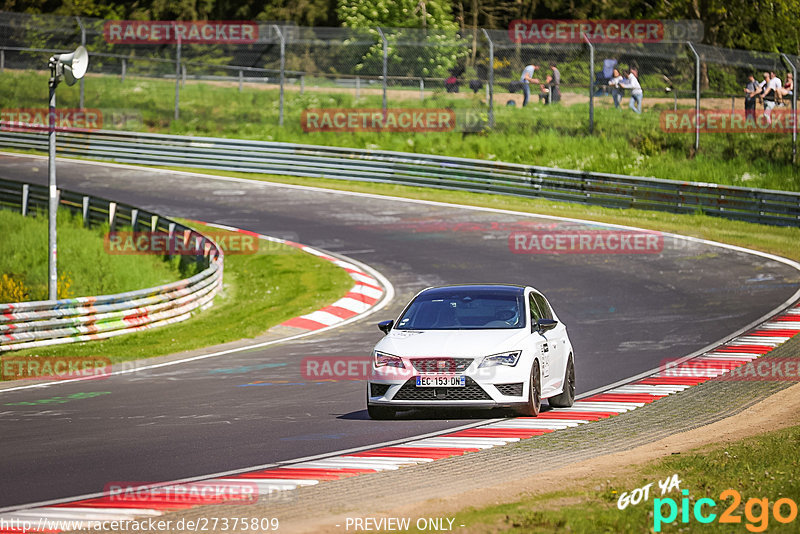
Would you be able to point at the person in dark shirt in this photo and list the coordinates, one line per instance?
(751, 92)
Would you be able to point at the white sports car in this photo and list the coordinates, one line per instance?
(473, 346)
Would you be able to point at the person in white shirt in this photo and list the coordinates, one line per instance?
(632, 83)
(616, 92)
(526, 79)
(769, 95)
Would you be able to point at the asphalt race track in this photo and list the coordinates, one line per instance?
(625, 313)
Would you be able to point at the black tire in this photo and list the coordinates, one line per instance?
(534, 404)
(566, 398)
(380, 413)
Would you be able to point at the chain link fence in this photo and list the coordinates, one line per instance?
(476, 73)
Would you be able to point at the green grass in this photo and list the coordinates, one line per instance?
(553, 136)
(765, 466)
(82, 259)
(777, 240)
(260, 290)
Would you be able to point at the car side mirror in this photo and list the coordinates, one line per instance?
(385, 326)
(543, 325)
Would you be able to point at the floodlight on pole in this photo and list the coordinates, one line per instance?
(72, 67)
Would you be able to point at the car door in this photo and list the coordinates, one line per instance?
(539, 344)
(556, 342)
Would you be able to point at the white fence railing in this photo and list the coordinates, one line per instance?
(42, 323)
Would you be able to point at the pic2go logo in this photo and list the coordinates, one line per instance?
(756, 511)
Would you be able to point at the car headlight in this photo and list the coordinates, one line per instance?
(382, 359)
(504, 358)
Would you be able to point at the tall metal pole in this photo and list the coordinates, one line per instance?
(793, 67)
(696, 96)
(490, 81)
(385, 67)
(283, 70)
(177, 72)
(83, 43)
(51, 173)
(591, 83)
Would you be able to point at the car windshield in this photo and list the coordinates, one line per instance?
(464, 310)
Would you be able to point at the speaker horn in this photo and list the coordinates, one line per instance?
(73, 65)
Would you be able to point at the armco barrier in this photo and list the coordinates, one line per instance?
(37, 324)
(611, 190)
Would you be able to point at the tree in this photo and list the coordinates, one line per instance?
(427, 25)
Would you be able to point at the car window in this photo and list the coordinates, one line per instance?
(544, 308)
(463, 310)
(535, 313)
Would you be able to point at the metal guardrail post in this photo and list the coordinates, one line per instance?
(490, 81)
(385, 67)
(302, 84)
(183, 74)
(177, 72)
(358, 87)
(124, 68)
(793, 67)
(421, 89)
(241, 79)
(2, 59)
(283, 71)
(83, 43)
(696, 96)
(591, 83)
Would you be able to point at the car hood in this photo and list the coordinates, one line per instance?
(452, 343)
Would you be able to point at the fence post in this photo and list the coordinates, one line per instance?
(302, 84)
(793, 67)
(83, 43)
(490, 81)
(25, 194)
(358, 87)
(241, 79)
(421, 89)
(696, 96)
(183, 74)
(85, 210)
(591, 83)
(283, 70)
(2, 59)
(177, 72)
(124, 68)
(385, 66)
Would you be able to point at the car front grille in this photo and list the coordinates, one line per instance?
(441, 365)
(512, 390)
(470, 391)
(378, 390)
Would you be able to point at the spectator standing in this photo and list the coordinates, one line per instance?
(769, 95)
(632, 83)
(616, 91)
(751, 91)
(555, 84)
(526, 79)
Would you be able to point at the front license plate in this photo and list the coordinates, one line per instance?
(441, 381)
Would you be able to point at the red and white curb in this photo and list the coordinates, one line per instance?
(365, 294)
(623, 398)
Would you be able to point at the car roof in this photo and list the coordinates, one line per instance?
(502, 289)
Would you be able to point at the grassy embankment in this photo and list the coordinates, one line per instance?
(554, 136)
(260, 290)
